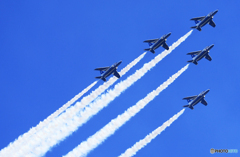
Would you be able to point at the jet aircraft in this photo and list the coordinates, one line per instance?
(198, 55)
(194, 100)
(106, 71)
(203, 20)
(156, 43)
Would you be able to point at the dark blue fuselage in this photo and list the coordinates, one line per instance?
(111, 70)
(157, 44)
(202, 54)
(206, 20)
(160, 42)
(199, 98)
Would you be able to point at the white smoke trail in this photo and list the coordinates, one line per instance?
(99, 137)
(22, 139)
(69, 121)
(142, 143)
(48, 131)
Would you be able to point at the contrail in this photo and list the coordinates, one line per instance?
(62, 120)
(99, 137)
(139, 145)
(77, 115)
(22, 139)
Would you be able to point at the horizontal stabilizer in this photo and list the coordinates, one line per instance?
(190, 61)
(198, 18)
(102, 68)
(147, 49)
(194, 53)
(151, 50)
(104, 79)
(188, 106)
(193, 61)
(151, 41)
(190, 97)
(198, 28)
(98, 77)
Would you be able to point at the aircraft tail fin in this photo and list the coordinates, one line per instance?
(197, 21)
(150, 44)
(151, 50)
(188, 106)
(193, 61)
(193, 56)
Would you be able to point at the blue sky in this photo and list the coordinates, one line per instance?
(50, 48)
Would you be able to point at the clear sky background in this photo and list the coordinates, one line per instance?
(48, 50)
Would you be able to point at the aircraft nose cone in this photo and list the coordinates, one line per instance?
(207, 91)
(211, 46)
(119, 63)
(215, 12)
(166, 36)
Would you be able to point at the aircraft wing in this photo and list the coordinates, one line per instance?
(198, 18)
(164, 45)
(208, 57)
(204, 102)
(194, 53)
(211, 23)
(151, 41)
(116, 74)
(102, 68)
(190, 97)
